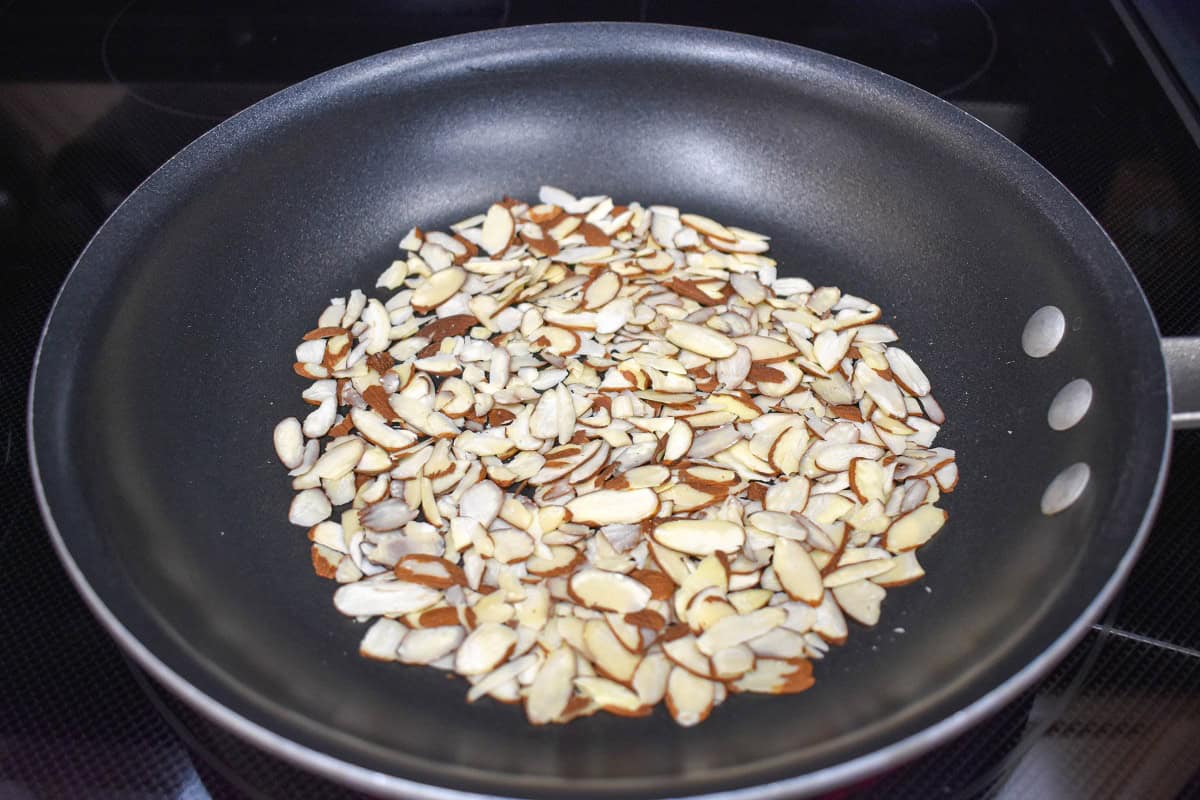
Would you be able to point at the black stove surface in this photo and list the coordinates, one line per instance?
(92, 101)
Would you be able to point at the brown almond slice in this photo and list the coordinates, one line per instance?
(439, 617)
(689, 698)
(484, 649)
(592, 235)
(660, 584)
(608, 591)
(613, 507)
(914, 528)
(325, 333)
(325, 560)
(431, 571)
(776, 676)
(647, 618)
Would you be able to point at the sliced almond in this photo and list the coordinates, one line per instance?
(914, 528)
(609, 591)
(797, 573)
(700, 537)
(611, 507)
(700, 339)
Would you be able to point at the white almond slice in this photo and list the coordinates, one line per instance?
(733, 370)
(868, 480)
(289, 442)
(914, 528)
(946, 476)
(684, 652)
(551, 690)
(502, 675)
(613, 506)
(375, 429)
(767, 350)
(886, 394)
(700, 537)
(733, 662)
(700, 339)
(788, 495)
(309, 507)
(648, 476)
(906, 372)
(689, 698)
(736, 629)
(781, 643)
(650, 678)
(830, 348)
(904, 570)
(374, 598)
(382, 640)
(708, 227)
(484, 649)
(796, 572)
(778, 523)
(611, 658)
(437, 289)
(862, 600)
(836, 456)
(679, 441)
(711, 442)
(830, 624)
(860, 571)
(601, 291)
(498, 230)
(427, 645)
(609, 695)
(609, 591)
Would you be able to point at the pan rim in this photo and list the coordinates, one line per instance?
(1042, 184)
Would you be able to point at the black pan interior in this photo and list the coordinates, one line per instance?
(167, 362)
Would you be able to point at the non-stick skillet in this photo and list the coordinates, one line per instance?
(165, 364)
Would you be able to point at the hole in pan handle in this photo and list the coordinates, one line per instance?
(1183, 373)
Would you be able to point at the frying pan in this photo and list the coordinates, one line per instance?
(165, 364)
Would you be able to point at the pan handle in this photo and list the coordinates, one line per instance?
(1183, 373)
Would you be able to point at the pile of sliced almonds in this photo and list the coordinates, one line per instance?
(594, 457)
